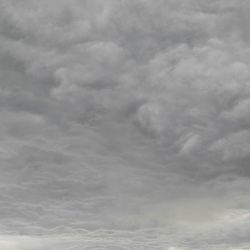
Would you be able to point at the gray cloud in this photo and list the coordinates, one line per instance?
(125, 123)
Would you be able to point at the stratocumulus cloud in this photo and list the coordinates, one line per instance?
(124, 124)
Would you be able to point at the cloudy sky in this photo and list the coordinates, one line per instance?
(125, 124)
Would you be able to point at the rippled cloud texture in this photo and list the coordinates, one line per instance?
(124, 124)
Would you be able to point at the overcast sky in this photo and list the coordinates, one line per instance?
(124, 124)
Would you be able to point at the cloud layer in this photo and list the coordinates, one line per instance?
(119, 117)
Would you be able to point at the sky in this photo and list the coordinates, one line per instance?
(124, 125)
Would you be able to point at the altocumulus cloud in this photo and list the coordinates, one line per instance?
(124, 124)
